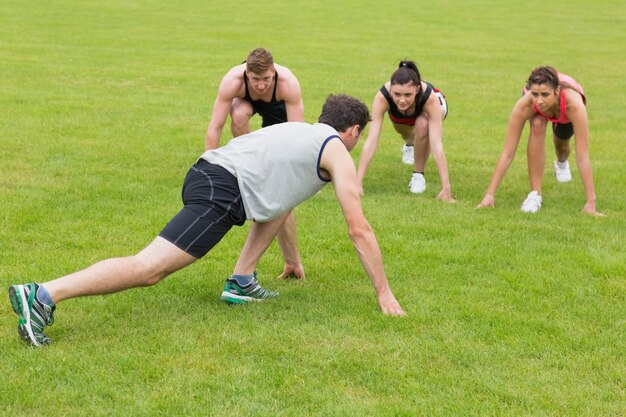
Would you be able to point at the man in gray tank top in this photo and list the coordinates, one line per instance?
(261, 176)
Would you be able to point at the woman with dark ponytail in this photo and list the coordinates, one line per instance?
(416, 110)
(549, 96)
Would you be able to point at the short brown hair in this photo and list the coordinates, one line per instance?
(259, 60)
(342, 112)
(544, 75)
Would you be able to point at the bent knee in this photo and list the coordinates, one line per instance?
(150, 272)
(240, 112)
(421, 124)
(538, 126)
(240, 117)
(420, 130)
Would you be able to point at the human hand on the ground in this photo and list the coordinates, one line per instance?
(389, 305)
(590, 208)
(292, 271)
(446, 196)
(488, 201)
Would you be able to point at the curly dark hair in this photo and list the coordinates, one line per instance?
(342, 111)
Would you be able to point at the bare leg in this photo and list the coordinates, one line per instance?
(240, 113)
(156, 261)
(536, 152)
(421, 145)
(257, 242)
(561, 148)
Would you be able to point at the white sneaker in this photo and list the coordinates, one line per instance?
(407, 155)
(417, 183)
(532, 204)
(563, 174)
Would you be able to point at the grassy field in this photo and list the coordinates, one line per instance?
(104, 106)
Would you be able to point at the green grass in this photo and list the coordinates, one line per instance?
(103, 109)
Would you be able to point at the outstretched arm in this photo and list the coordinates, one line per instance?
(577, 114)
(226, 92)
(435, 115)
(289, 248)
(522, 111)
(337, 162)
(379, 108)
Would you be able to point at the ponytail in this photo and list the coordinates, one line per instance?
(407, 72)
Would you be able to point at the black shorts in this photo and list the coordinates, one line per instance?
(212, 206)
(272, 113)
(563, 130)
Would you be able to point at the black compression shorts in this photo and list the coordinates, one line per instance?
(271, 113)
(563, 130)
(212, 206)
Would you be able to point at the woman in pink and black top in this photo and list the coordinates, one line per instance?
(416, 110)
(553, 97)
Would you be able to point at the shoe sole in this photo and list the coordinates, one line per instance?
(530, 211)
(238, 299)
(22, 332)
(24, 328)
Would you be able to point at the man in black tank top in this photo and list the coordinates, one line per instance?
(273, 112)
(255, 87)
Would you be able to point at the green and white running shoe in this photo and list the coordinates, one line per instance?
(33, 315)
(238, 294)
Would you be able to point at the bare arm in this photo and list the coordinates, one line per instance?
(337, 162)
(435, 115)
(289, 248)
(379, 108)
(293, 99)
(221, 108)
(521, 112)
(227, 91)
(577, 114)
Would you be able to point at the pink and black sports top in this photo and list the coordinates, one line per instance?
(565, 81)
(420, 100)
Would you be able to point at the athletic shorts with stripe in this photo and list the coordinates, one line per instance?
(212, 206)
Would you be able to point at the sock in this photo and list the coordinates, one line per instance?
(415, 172)
(243, 280)
(43, 296)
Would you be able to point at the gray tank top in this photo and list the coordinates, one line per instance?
(277, 167)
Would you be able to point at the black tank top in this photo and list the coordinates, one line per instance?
(407, 119)
(273, 112)
(260, 102)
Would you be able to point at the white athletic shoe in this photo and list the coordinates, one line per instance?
(532, 204)
(563, 174)
(407, 155)
(417, 183)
